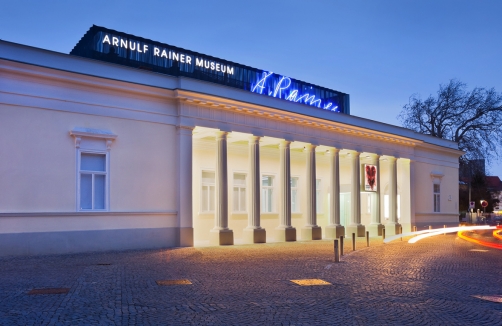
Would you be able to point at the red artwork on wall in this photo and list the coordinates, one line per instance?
(370, 177)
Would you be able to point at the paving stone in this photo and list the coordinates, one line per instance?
(437, 281)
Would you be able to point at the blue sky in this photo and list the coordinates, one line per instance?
(380, 52)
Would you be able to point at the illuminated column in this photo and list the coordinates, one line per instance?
(334, 229)
(355, 208)
(184, 135)
(311, 231)
(376, 226)
(254, 233)
(285, 232)
(392, 226)
(221, 234)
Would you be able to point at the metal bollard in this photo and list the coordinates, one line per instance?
(341, 245)
(337, 254)
(444, 227)
(401, 232)
(367, 238)
(383, 234)
(353, 242)
(430, 227)
(415, 228)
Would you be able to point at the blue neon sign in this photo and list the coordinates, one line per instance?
(282, 87)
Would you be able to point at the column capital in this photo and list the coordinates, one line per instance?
(254, 139)
(285, 143)
(333, 151)
(310, 147)
(221, 134)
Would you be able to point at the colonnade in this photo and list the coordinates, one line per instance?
(254, 233)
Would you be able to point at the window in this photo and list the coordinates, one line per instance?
(207, 192)
(239, 194)
(267, 194)
(386, 204)
(318, 198)
(295, 202)
(93, 181)
(436, 198)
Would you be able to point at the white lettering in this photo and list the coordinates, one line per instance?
(206, 64)
(230, 70)
(176, 56)
(280, 87)
(182, 58)
(123, 43)
(212, 65)
(131, 46)
(223, 68)
(292, 96)
(115, 41)
(199, 62)
(169, 54)
(164, 54)
(189, 59)
(145, 48)
(217, 67)
(139, 48)
(106, 39)
(156, 51)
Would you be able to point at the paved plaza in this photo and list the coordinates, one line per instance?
(432, 282)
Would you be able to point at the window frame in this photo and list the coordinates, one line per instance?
(106, 173)
(318, 196)
(202, 184)
(240, 187)
(272, 189)
(297, 188)
(436, 201)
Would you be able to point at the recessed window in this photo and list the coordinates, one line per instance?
(386, 205)
(295, 202)
(93, 181)
(436, 194)
(207, 192)
(318, 197)
(267, 194)
(239, 193)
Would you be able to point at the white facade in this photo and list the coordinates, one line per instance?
(170, 161)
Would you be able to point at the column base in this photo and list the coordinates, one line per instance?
(254, 235)
(186, 237)
(375, 230)
(285, 234)
(221, 237)
(358, 229)
(311, 233)
(392, 229)
(334, 231)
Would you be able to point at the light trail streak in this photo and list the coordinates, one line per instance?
(480, 242)
(430, 233)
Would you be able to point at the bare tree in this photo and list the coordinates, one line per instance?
(471, 118)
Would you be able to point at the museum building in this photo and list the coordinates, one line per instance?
(129, 143)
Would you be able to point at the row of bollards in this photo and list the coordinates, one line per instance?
(338, 246)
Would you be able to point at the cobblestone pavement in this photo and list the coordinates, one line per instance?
(431, 282)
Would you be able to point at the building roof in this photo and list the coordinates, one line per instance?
(74, 64)
(493, 183)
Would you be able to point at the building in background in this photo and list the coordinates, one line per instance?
(128, 143)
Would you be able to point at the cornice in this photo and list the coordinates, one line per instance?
(214, 102)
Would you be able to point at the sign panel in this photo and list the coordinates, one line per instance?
(370, 177)
(484, 203)
(116, 47)
(472, 204)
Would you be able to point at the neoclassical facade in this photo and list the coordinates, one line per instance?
(101, 156)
